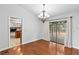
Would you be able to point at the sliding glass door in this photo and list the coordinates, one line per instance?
(58, 35)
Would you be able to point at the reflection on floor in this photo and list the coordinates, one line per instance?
(14, 41)
(40, 47)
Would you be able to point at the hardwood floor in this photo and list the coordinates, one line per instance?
(40, 47)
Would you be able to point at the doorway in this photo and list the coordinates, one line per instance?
(15, 31)
(58, 31)
(58, 35)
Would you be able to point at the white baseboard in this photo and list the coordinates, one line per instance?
(75, 47)
(4, 49)
(30, 41)
(46, 39)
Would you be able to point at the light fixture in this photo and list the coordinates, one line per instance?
(43, 16)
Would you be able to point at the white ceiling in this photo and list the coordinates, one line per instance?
(52, 9)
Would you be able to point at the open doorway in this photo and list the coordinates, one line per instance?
(15, 31)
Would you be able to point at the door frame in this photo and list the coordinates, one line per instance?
(69, 29)
(9, 29)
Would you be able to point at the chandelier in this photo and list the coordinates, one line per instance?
(43, 16)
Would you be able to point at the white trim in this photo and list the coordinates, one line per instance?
(7, 48)
(4, 49)
(9, 17)
(31, 41)
(9, 33)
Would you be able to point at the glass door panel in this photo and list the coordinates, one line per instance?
(61, 34)
(52, 38)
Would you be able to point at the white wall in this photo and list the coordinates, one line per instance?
(75, 27)
(31, 25)
(33, 29)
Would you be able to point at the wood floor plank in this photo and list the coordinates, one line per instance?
(40, 47)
